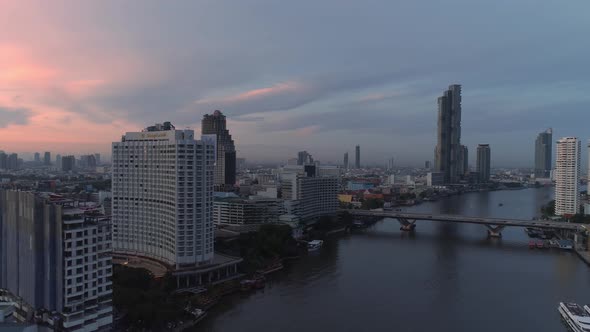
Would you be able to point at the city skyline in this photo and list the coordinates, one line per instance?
(283, 94)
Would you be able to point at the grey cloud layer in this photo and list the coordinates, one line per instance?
(339, 65)
(11, 116)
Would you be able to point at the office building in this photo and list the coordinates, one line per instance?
(463, 165)
(47, 159)
(567, 176)
(447, 156)
(304, 158)
(58, 161)
(3, 160)
(88, 162)
(55, 258)
(357, 157)
(12, 161)
(37, 157)
(434, 179)
(225, 163)
(241, 163)
(68, 163)
(390, 164)
(162, 196)
(483, 162)
(543, 154)
(239, 211)
(346, 161)
(309, 197)
(97, 159)
(427, 164)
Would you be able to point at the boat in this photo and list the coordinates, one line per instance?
(587, 308)
(257, 282)
(576, 317)
(565, 244)
(540, 244)
(501, 204)
(532, 244)
(314, 245)
(275, 266)
(358, 224)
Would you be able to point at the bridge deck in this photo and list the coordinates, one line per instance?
(472, 220)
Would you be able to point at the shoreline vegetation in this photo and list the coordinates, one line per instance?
(144, 303)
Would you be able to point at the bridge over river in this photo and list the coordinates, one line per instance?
(494, 225)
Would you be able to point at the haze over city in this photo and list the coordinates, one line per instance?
(290, 76)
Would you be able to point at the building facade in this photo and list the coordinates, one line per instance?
(567, 176)
(162, 196)
(357, 157)
(483, 162)
(463, 162)
(543, 154)
(310, 197)
(68, 163)
(225, 163)
(346, 161)
(447, 156)
(239, 211)
(47, 159)
(55, 259)
(12, 161)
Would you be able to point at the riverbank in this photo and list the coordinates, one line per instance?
(584, 255)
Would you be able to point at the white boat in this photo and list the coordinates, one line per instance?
(587, 308)
(576, 317)
(314, 245)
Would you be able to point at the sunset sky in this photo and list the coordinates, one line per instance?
(320, 76)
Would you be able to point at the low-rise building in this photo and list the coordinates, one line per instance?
(435, 179)
(239, 211)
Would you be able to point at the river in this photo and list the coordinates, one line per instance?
(445, 277)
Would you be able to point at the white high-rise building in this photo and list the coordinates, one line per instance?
(567, 176)
(310, 197)
(163, 196)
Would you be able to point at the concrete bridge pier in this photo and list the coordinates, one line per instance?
(494, 230)
(407, 225)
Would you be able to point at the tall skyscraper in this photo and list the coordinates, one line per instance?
(448, 148)
(162, 193)
(390, 164)
(304, 158)
(3, 160)
(58, 161)
(97, 158)
(427, 164)
(463, 165)
(543, 154)
(483, 162)
(346, 160)
(47, 159)
(567, 176)
(357, 157)
(68, 163)
(12, 161)
(55, 257)
(37, 157)
(225, 163)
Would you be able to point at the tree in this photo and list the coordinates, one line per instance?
(371, 203)
(548, 210)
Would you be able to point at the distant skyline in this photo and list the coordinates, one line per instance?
(293, 76)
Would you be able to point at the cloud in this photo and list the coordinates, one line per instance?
(14, 116)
